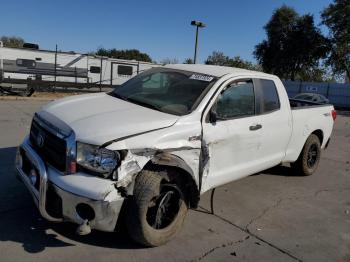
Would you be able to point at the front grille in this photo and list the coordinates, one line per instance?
(50, 147)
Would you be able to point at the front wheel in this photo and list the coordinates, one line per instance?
(156, 211)
(309, 157)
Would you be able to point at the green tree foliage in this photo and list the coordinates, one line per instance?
(12, 41)
(188, 61)
(337, 17)
(316, 74)
(219, 58)
(294, 45)
(238, 62)
(128, 54)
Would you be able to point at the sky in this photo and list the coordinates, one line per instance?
(160, 28)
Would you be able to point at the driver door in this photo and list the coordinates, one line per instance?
(234, 139)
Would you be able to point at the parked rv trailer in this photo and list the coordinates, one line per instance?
(67, 69)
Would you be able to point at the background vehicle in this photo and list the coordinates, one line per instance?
(318, 98)
(161, 140)
(47, 68)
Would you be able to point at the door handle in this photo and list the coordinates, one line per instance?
(256, 127)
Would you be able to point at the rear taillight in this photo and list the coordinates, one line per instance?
(334, 114)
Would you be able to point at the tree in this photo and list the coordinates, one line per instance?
(12, 41)
(293, 45)
(128, 54)
(219, 58)
(188, 61)
(317, 74)
(238, 62)
(337, 18)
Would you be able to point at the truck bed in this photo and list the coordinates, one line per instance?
(308, 116)
(302, 104)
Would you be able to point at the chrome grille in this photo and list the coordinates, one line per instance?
(51, 148)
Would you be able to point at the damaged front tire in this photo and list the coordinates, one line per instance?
(156, 211)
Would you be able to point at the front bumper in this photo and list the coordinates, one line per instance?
(71, 190)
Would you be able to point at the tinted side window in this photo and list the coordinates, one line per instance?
(26, 63)
(269, 96)
(124, 70)
(236, 101)
(95, 69)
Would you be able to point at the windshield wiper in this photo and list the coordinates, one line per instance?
(134, 101)
(141, 103)
(118, 96)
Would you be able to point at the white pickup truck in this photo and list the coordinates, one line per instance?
(159, 141)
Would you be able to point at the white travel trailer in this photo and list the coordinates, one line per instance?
(65, 69)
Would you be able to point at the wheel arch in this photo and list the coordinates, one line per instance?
(181, 171)
(302, 165)
(319, 134)
(293, 155)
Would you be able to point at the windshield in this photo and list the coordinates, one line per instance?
(171, 91)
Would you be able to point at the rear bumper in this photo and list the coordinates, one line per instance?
(106, 209)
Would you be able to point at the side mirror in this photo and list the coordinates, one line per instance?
(213, 116)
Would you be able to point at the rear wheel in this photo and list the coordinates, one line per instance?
(156, 211)
(309, 157)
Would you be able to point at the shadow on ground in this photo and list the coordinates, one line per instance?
(286, 171)
(280, 171)
(7, 156)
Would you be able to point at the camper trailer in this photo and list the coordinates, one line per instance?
(30, 65)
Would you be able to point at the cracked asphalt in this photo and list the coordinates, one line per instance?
(271, 216)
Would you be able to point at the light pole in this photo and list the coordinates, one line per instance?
(1, 62)
(197, 24)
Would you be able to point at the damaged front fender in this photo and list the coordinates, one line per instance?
(185, 158)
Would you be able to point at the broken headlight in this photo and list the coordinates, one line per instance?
(100, 160)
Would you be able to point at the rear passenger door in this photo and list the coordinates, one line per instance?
(275, 120)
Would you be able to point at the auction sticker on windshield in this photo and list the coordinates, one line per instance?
(202, 77)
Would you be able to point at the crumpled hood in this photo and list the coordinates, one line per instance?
(99, 118)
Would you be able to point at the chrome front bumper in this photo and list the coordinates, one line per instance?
(39, 196)
(69, 188)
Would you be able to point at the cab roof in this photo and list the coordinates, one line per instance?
(215, 70)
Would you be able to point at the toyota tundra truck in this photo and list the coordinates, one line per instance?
(159, 141)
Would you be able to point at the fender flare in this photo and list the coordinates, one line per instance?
(168, 159)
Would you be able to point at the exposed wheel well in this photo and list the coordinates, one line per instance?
(319, 134)
(182, 178)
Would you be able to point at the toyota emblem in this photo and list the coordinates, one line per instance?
(40, 140)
